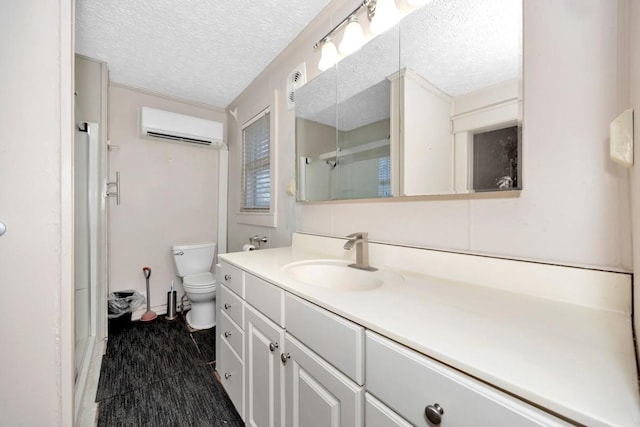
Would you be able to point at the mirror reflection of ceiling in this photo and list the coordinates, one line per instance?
(460, 46)
(464, 45)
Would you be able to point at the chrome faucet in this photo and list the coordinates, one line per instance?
(361, 242)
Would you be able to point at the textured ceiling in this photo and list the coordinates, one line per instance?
(460, 46)
(201, 50)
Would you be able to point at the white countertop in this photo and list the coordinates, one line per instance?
(573, 360)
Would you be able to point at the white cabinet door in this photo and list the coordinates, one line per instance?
(263, 370)
(316, 393)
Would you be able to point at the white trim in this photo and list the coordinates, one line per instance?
(255, 118)
(261, 219)
(223, 188)
(65, 319)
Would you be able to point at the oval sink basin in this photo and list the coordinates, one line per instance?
(337, 275)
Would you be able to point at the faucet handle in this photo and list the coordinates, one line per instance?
(358, 235)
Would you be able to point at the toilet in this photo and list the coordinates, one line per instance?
(193, 263)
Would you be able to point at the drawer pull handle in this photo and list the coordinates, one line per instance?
(227, 306)
(227, 375)
(227, 277)
(434, 413)
(273, 346)
(284, 357)
(227, 334)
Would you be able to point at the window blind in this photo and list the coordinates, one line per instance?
(256, 165)
(384, 176)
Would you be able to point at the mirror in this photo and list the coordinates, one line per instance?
(430, 107)
(343, 121)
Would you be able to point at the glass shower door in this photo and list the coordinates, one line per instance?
(86, 201)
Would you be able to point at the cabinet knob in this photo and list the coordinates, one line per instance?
(434, 413)
(284, 357)
(227, 306)
(273, 346)
(227, 334)
(227, 277)
(227, 375)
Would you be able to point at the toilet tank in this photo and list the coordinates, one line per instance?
(193, 258)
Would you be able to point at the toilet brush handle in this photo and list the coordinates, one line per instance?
(147, 273)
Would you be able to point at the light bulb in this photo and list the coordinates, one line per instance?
(385, 17)
(329, 55)
(353, 38)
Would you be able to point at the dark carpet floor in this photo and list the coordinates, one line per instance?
(160, 374)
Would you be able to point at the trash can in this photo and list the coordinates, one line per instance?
(121, 305)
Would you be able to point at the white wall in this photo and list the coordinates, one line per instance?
(169, 194)
(270, 85)
(574, 206)
(36, 253)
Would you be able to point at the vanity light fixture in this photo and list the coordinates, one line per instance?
(330, 55)
(386, 15)
(353, 37)
(382, 14)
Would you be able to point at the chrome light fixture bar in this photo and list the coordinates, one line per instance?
(353, 37)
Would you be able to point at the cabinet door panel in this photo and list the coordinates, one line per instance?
(316, 393)
(263, 373)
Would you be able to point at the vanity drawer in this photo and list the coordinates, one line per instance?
(265, 297)
(339, 341)
(231, 370)
(408, 382)
(232, 334)
(232, 277)
(232, 305)
(377, 414)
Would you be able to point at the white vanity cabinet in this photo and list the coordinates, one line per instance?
(428, 393)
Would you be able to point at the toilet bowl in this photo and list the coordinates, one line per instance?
(193, 264)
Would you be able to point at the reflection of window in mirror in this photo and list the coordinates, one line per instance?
(495, 159)
(384, 176)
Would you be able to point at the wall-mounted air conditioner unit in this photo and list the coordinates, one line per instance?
(179, 127)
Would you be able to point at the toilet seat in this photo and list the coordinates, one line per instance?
(199, 280)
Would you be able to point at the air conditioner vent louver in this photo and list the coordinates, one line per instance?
(179, 127)
(179, 138)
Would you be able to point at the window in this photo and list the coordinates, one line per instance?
(256, 164)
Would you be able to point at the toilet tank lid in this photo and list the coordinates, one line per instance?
(184, 246)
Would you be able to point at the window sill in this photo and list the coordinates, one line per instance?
(260, 219)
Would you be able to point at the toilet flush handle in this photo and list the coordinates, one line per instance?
(179, 253)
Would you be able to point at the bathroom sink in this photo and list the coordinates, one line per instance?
(337, 275)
